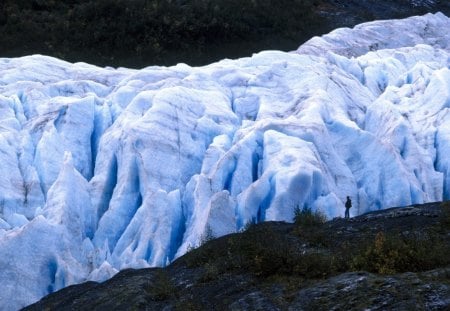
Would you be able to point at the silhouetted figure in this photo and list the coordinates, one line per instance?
(348, 204)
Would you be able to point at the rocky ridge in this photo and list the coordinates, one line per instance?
(197, 281)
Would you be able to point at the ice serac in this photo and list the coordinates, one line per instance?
(104, 169)
(69, 204)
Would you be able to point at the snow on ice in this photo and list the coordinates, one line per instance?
(103, 169)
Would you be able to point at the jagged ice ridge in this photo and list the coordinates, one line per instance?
(103, 169)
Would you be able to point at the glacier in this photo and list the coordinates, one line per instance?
(103, 169)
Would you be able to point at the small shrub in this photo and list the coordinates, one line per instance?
(198, 256)
(314, 265)
(210, 273)
(343, 256)
(305, 217)
(207, 236)
(389, 254)
(308, 227)
(445, 217)
(190, 248)
(259, 250)
(248, 225)
(383, 256)
(314, 236)
(161, 288)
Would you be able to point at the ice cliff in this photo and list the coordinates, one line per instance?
(103, 169)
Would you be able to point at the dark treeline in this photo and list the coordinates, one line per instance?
(137, 33)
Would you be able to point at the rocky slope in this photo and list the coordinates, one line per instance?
(301, 266)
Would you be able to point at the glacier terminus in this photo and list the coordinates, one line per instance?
(103, 169)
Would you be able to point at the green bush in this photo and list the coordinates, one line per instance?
(389, 254)
(314, 265)
(261, 251)
(161, 288)
(308, 251)
(211, 272)
(307, 218)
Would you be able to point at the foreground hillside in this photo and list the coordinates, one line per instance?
(161, 157)
(395, 259)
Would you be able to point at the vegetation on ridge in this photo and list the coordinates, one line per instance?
(152, 31)
(139, 33)
(313, 249)
(310, 264)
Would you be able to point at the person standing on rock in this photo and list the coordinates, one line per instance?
(348, 205)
